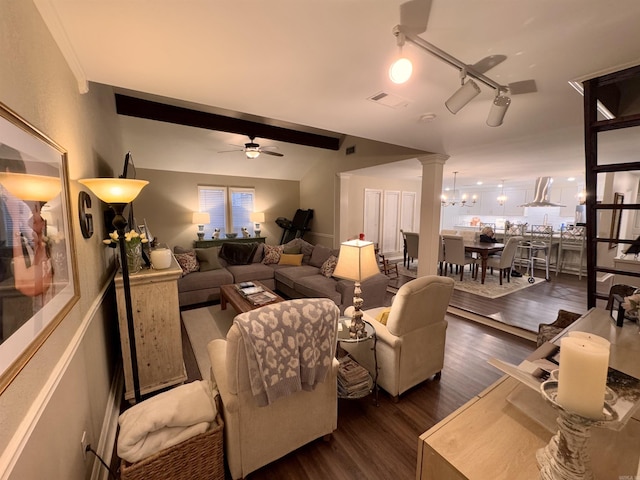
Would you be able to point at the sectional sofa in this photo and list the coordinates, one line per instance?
(297, 269)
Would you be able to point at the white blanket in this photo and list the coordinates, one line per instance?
(165, 420)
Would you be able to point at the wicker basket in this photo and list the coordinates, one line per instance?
(198, 458)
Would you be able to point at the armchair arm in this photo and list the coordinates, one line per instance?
(218, 356)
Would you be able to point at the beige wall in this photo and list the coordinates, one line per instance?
(64, 389)
(169, 200)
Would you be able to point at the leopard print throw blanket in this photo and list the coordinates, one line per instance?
(289, 345)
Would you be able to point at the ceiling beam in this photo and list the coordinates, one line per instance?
(137, 107)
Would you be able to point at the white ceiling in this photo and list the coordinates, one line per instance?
(315, 63)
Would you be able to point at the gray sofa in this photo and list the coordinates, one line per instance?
(218, 266)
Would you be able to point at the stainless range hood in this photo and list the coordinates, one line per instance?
(541, 194)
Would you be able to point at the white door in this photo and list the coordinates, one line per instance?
(408, 212)
(372, 214)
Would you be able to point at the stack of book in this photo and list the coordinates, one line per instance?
(255, 294)
(353, 379)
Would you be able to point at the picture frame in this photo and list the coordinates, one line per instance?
(616, 215)
(38, 268)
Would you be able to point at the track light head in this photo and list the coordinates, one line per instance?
(498, 110)
(467, 92)
(400, 70)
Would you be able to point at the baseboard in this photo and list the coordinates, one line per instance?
(109, 429)
(520, 332)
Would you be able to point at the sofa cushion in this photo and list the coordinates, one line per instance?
(272, 254)
(288, 274)
(204, 280)
(291, 250)
(188, 262)
(250, 272)
(305, 248)
(291, 259)
(318, 286)
(259, 253)
(320, 255)
(238, 253)
(329, 266)
(208, 258)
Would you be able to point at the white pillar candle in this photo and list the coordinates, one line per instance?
(583, 376)
(590, 336)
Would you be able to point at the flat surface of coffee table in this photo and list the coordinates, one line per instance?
(229, 294)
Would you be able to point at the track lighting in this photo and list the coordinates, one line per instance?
(400, 70)
(498, 110)
(467, 92)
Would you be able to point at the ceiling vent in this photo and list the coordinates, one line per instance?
(389, 100)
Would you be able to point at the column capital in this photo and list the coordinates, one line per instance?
(434, 158)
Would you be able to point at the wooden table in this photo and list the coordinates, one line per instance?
(490, 437)
(484, 250)
(230, 294)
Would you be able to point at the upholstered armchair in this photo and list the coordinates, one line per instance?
(410, 347)
(256, 435)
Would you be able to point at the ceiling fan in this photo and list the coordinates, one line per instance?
(253, 150)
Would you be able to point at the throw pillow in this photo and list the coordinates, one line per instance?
(238, 253)
(272, 254)
(383, 316)
(188, 262)
(290, 259)
(208, 258)
(329, 266)
(292, 249)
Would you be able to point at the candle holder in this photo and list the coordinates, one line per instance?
(566, 457)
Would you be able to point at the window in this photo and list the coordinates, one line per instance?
(229, 208)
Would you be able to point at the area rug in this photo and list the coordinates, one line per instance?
(490, 289)
(204, 325)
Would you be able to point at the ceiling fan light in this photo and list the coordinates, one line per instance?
(467, 92)
(252, 152)
(498, 110)
(400, 70)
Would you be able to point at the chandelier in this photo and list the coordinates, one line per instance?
(463, 200)
(502, 198)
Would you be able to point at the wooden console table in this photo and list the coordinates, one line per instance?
(489, 437)
(156, 315)
(220, 241)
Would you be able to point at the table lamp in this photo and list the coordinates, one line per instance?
(200, 219)
(356, 262)
(118, 193)
(257, 218)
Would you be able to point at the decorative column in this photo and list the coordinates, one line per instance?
(430, 209)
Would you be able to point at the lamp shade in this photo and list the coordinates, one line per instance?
(463, 95)
(200, 218)
(114, 190)
(356, 261)
(29, 187)
(257, 217)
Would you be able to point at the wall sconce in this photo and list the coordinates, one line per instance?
(257, 218)
(200, 219)
(118, 193)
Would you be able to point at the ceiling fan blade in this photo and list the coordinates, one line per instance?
(229, 151)
(487, 63)
(523, 86)
(268, 152)
(414, 15)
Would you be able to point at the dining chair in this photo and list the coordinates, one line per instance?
(504, 262)
(386, 267)
(412, 240)
(404, 248)
(454, 254)
(572, 240)
(440, 256)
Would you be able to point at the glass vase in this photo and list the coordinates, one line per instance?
(134, 258)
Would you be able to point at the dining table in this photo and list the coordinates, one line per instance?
(483, 249)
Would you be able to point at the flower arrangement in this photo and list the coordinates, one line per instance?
(132, 238)
(631, 304)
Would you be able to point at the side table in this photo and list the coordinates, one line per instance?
(343, 337)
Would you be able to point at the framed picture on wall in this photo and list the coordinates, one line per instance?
(38, 272)
(616, 215)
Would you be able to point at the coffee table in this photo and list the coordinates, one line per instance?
(229, 294)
